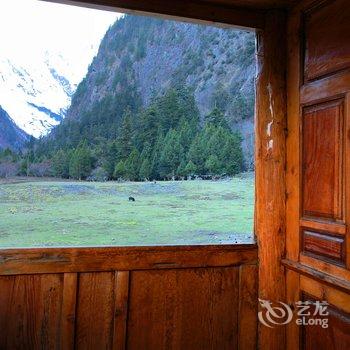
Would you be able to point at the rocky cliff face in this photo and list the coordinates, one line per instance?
(10, 135)
(140, 58)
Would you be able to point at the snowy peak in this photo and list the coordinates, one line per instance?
(36, 93)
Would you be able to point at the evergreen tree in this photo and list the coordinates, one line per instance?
(110, 161)
(171, 155)
(181, 170)
(80, 164)
(212, 164)
(145, 170)
(156, 154)
(190, 169)
(132, 166)
(233, 155)
(60, 163)
(216, 118)
(119, 171)
(126, 136)
(196, 152)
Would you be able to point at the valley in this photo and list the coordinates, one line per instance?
(36, 213)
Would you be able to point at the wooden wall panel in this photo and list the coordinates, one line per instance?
(335, 336)
(184, 309)
(179, 308)
(30, 311)
(327, 38)
(95, 311)
(248, 308)
(322, 161)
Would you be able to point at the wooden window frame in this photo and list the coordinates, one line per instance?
(270, 127)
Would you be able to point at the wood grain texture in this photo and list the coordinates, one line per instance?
(320, 291)
(315, 79)
(293, 296)
(43, 260)
(293, 171)
(327, 37)
(325, 278)
(270, 168)
(248, 307)
(324, 246)
(347, 178)
(323, 226)
(95, 311)
(319, 90)
(325, 266)
(322, 160)
(335, 336)
(121, 288)
(30, 309)
(183, 309)
(68, 319)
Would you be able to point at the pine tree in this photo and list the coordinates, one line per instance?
(111, 158)
(145, 169)
(196, 153)
(190, 169)
(60, 162)
(126, 136)
(132, 166)
(233, 154)
(119, 171)
(212, 165)
(216, 118)
(181, 170)
(171, 155)
(80, 164)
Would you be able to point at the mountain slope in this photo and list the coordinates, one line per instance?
(36, 93)
(10, 135)
(140, 58)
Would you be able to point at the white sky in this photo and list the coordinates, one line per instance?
(30, 27)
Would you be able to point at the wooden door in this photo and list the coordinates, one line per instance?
(318, 170)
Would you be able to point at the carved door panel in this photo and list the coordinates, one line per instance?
(318, 170)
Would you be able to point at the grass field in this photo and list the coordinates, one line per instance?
(54, 213)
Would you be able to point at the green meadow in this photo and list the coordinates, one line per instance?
(70, 213)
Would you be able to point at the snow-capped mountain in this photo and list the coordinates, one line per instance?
(36, 92)
(42, 59)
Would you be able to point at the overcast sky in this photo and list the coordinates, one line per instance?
(29, 27)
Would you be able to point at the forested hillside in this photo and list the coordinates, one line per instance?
(161, 99)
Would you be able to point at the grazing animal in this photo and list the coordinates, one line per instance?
(131, 199)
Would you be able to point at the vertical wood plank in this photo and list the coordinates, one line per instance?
(95, 311)
(293, 295)
(30, 309)
(248, 307)
(183, 309)
(68, 310)
(270, 168)
(293, 170)
(121, 288)
(347, 178)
